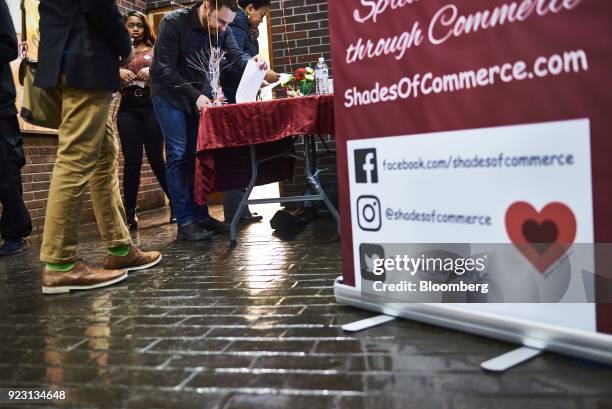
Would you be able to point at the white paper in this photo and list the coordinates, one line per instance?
(266, 92)
(250, 83)
(140, 84)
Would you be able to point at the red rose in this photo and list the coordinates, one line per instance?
(300, 74)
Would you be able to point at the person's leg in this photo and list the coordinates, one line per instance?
(154, 147)
(81, 137)
(130, 128)
(174, 128)
(193, 123)
(122, 255)
(15, 223)
(201, 213)
(231, 200)
(173, 124)
(105, 193)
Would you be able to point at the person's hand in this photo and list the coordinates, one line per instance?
(261, 63)
(143, 74)
(126, 76)
(271, 76)
(125, 61)
(203, 102)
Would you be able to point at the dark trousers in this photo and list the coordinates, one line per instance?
(181, 136)
(15, 222)
(138, 127)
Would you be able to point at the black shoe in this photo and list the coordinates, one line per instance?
(192, 232)
(215, 225)
(253, 218)
(14, 246)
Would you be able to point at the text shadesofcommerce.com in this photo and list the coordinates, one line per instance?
(424, 84)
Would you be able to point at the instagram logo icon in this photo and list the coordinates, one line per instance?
(368, 213)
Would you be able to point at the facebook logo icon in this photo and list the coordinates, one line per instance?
(365, 166)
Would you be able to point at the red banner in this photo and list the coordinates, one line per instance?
(405, 67)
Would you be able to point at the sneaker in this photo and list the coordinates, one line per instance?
(81, 277)
(212, 224)
(13, 246)
(192, 232)
(136, 260)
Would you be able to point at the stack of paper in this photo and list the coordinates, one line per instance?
(250, 83)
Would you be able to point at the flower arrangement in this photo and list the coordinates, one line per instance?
(301, 83)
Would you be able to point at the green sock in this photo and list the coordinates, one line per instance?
(120, 251)
(60, 267)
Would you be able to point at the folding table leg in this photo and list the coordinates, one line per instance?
(314, 182)
(245, 198)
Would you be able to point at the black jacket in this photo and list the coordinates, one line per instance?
(8, 52)
(181, 38)
(84, 39)
(232, 74)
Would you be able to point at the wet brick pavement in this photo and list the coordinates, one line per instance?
(254, 327)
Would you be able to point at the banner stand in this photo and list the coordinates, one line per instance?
(448, 115)
(534, 335)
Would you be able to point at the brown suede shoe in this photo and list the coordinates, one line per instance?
(81, 277)
(136, 260)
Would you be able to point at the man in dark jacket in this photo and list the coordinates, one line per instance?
(180, 91)
(15, 224)
(81, 46)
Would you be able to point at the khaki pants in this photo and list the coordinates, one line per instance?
(87, 155)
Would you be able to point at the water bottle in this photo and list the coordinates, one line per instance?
(322, 77)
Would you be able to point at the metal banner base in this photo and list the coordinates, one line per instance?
(567, 341)
(510, 359)
(367, 323)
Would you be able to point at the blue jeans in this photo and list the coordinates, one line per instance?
(181, 135)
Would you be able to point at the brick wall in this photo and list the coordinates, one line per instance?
(307, 34)
(127, 5)
(156, 4)
(305, 39)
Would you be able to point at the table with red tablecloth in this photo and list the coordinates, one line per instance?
(250, 144)
(226, 132)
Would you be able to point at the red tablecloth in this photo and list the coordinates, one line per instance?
(223, 159)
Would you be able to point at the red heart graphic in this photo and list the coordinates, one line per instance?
(542, 237)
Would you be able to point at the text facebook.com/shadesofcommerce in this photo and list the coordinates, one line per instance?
(366, 163)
